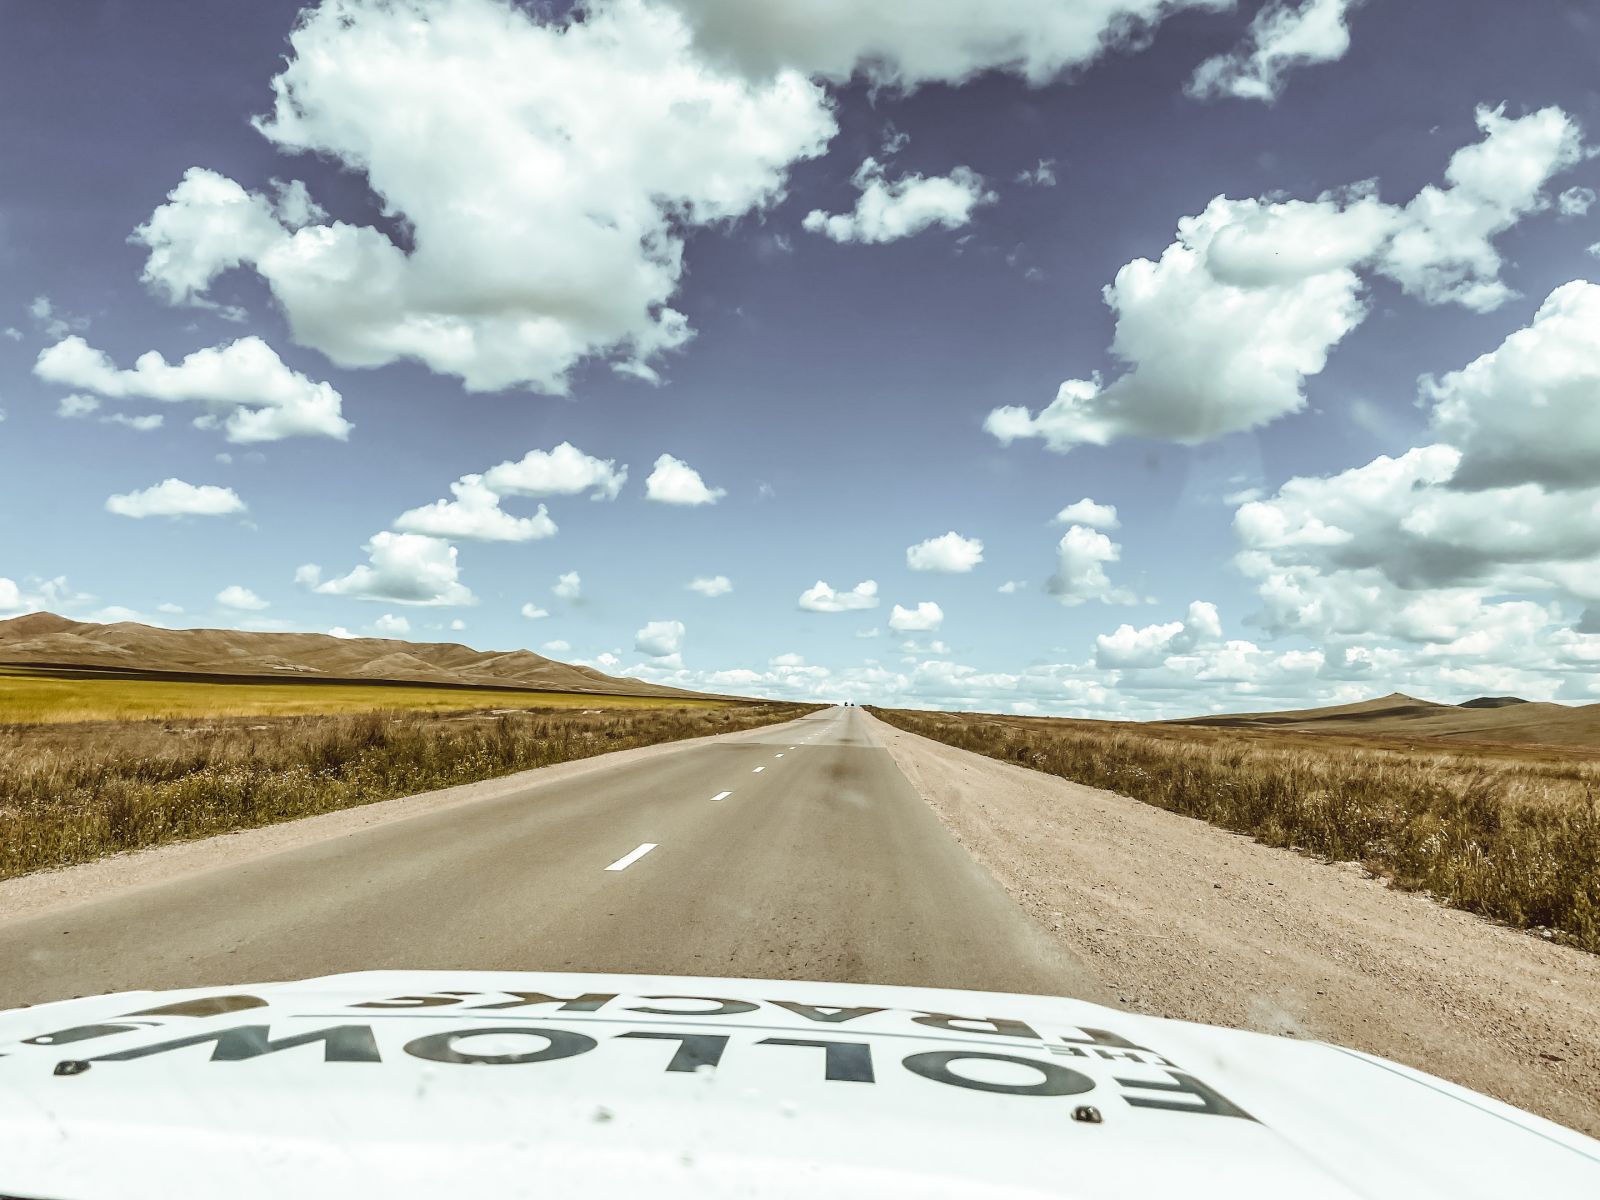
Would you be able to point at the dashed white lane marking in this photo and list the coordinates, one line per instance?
(722, 795)
(758, 770)
(633, 856)
(778, 755)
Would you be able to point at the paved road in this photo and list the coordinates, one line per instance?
(797, 851)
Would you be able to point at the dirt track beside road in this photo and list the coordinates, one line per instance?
(1181, 919)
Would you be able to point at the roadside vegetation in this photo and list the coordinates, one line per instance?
(31, 695)
(1509, 832)
(71, 793)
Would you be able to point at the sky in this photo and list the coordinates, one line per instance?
(1103, 358)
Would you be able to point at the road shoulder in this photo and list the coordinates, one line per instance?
(1182, 919)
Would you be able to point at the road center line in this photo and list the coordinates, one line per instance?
(778, 755)
(758, 770)
(722, 795)
(633, 856)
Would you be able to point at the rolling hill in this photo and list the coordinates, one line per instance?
(1485, 719)
(45, 639)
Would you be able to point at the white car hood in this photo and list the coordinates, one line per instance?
(446, 1083)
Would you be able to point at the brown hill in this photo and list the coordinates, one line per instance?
(1487, 719)
(44, 638)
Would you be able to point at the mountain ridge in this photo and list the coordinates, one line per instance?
(47, 639)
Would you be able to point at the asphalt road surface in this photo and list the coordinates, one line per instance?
(796, 852)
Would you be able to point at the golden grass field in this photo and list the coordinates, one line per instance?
(37, 695)
(1509, 831)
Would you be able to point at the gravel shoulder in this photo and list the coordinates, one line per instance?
(1182, 919)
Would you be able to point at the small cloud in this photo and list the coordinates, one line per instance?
(534, 613)
(1576, 201)
(76, 405)
(568, 586)
(241, 598)
(820, 597)
(659, 639)
(1043, 175)
(1087, 512)
(675, 482)
(949, 554)
(927, 616)
(147, 423)
(390, 624)
(712, 585)
(175, 498)
(557, 647)
(1011, 586)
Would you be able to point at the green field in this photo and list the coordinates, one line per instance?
(40, 695)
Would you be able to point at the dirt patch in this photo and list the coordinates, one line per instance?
(1181, 919)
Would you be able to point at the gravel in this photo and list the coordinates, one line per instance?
(1182, 919)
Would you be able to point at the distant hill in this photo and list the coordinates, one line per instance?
(45, 639)
(1485, 719)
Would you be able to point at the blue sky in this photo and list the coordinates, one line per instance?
(414, 241)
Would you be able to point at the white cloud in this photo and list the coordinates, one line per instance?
(406, 568)
(475, 513)
(1444, 251)
(1529, 411)
(1080, 576)
(76, 405)
(10, 596)
(568, 586)
(675, 482)
(148, 423)
(1152, 645)
(906, 43)
(531, 247)
(787, 660)
(391, 625)
(1087, 512)
(659, 638)
(1220, 334)
(170, 609)
(1282, 36)
(821, 598)
(533, 612)
(339, 631)
(51, 321)
(1043, 175)
(711, 585)
(563, 471)
(458, 625)
(950, 554)
(243, 386)
(926, 617)
(1011, 586)
(888, 210)
(175, 498)
(241, 598)
(1576, 201)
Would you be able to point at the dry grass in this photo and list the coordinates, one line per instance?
(1512, 833)
(73, 793)
(41, 695)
